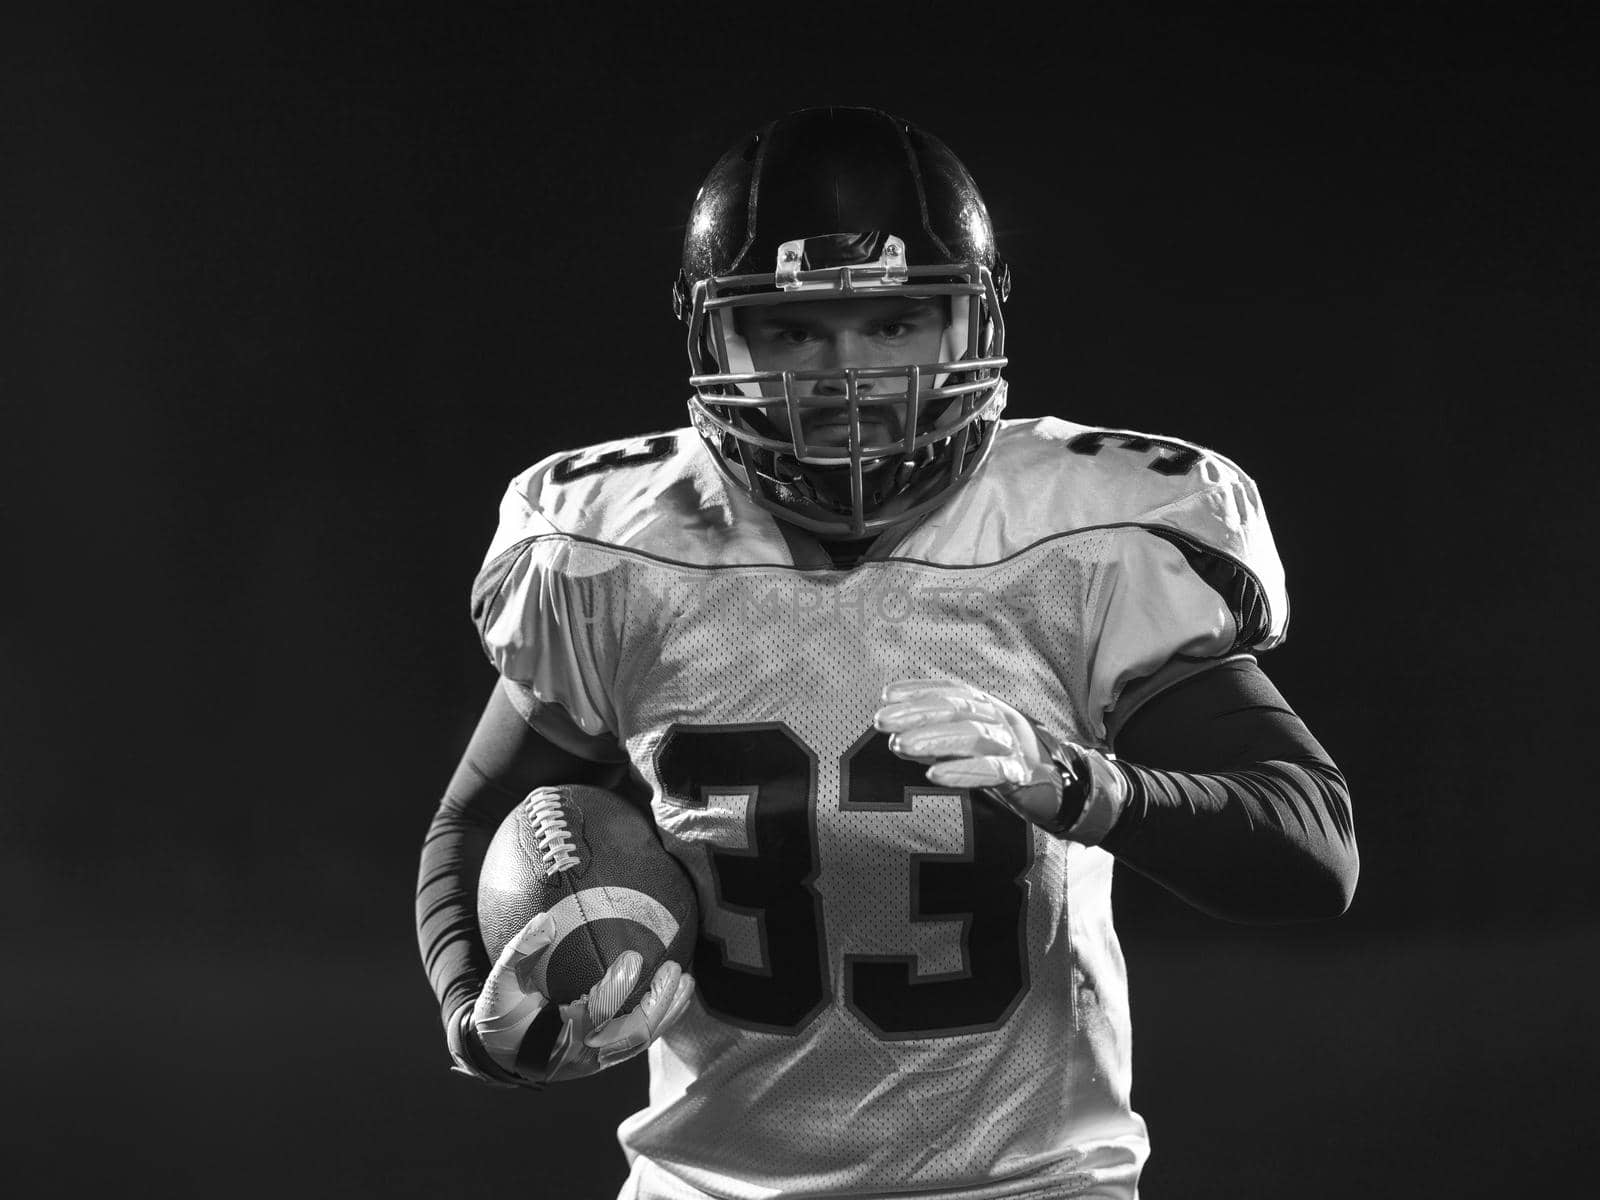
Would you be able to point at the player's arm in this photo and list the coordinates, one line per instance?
(504, 760)
(1231, 803)
(1219, 792)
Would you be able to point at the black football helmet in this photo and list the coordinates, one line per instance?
(842, 203)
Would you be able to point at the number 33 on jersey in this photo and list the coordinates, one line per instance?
(879, 959)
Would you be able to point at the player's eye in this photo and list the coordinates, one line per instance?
(790, 335)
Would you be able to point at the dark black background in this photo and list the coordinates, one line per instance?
(291, 291)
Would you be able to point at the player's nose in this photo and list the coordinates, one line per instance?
(837, 386)
(844, 350)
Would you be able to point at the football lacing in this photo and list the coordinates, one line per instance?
(555, 839)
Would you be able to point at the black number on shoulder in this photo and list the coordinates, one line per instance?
(576, 466)
(1175, 459)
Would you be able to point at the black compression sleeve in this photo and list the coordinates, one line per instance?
(504, 761)
(1233, 805)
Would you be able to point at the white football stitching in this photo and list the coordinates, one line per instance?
(615, 902)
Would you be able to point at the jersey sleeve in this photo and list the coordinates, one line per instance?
(1181, 588)
(541, 613)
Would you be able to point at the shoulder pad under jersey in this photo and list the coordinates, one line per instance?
(659, 493)
(552, 565)
(535, 595)
(1047, 477)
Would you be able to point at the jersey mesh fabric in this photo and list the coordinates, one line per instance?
(1017, 1062)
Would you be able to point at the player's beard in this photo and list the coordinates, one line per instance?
(879, 426)
(888, 483)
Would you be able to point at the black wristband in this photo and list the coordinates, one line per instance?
(1076, 781)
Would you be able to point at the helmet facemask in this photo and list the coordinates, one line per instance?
(939, 417)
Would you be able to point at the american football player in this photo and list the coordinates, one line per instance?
(900, 681)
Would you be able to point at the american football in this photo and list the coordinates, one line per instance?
(594, 862)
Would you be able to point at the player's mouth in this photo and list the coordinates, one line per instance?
(836, 432)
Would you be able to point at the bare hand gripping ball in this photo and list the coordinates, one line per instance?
(594, 862)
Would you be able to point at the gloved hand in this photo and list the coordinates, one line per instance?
(593, 1034)
(975, 740)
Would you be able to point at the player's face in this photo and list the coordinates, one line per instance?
(879, 331)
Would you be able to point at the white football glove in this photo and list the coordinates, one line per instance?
(593, 1035)
(975, 740)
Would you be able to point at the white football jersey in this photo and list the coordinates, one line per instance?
(901, 989)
